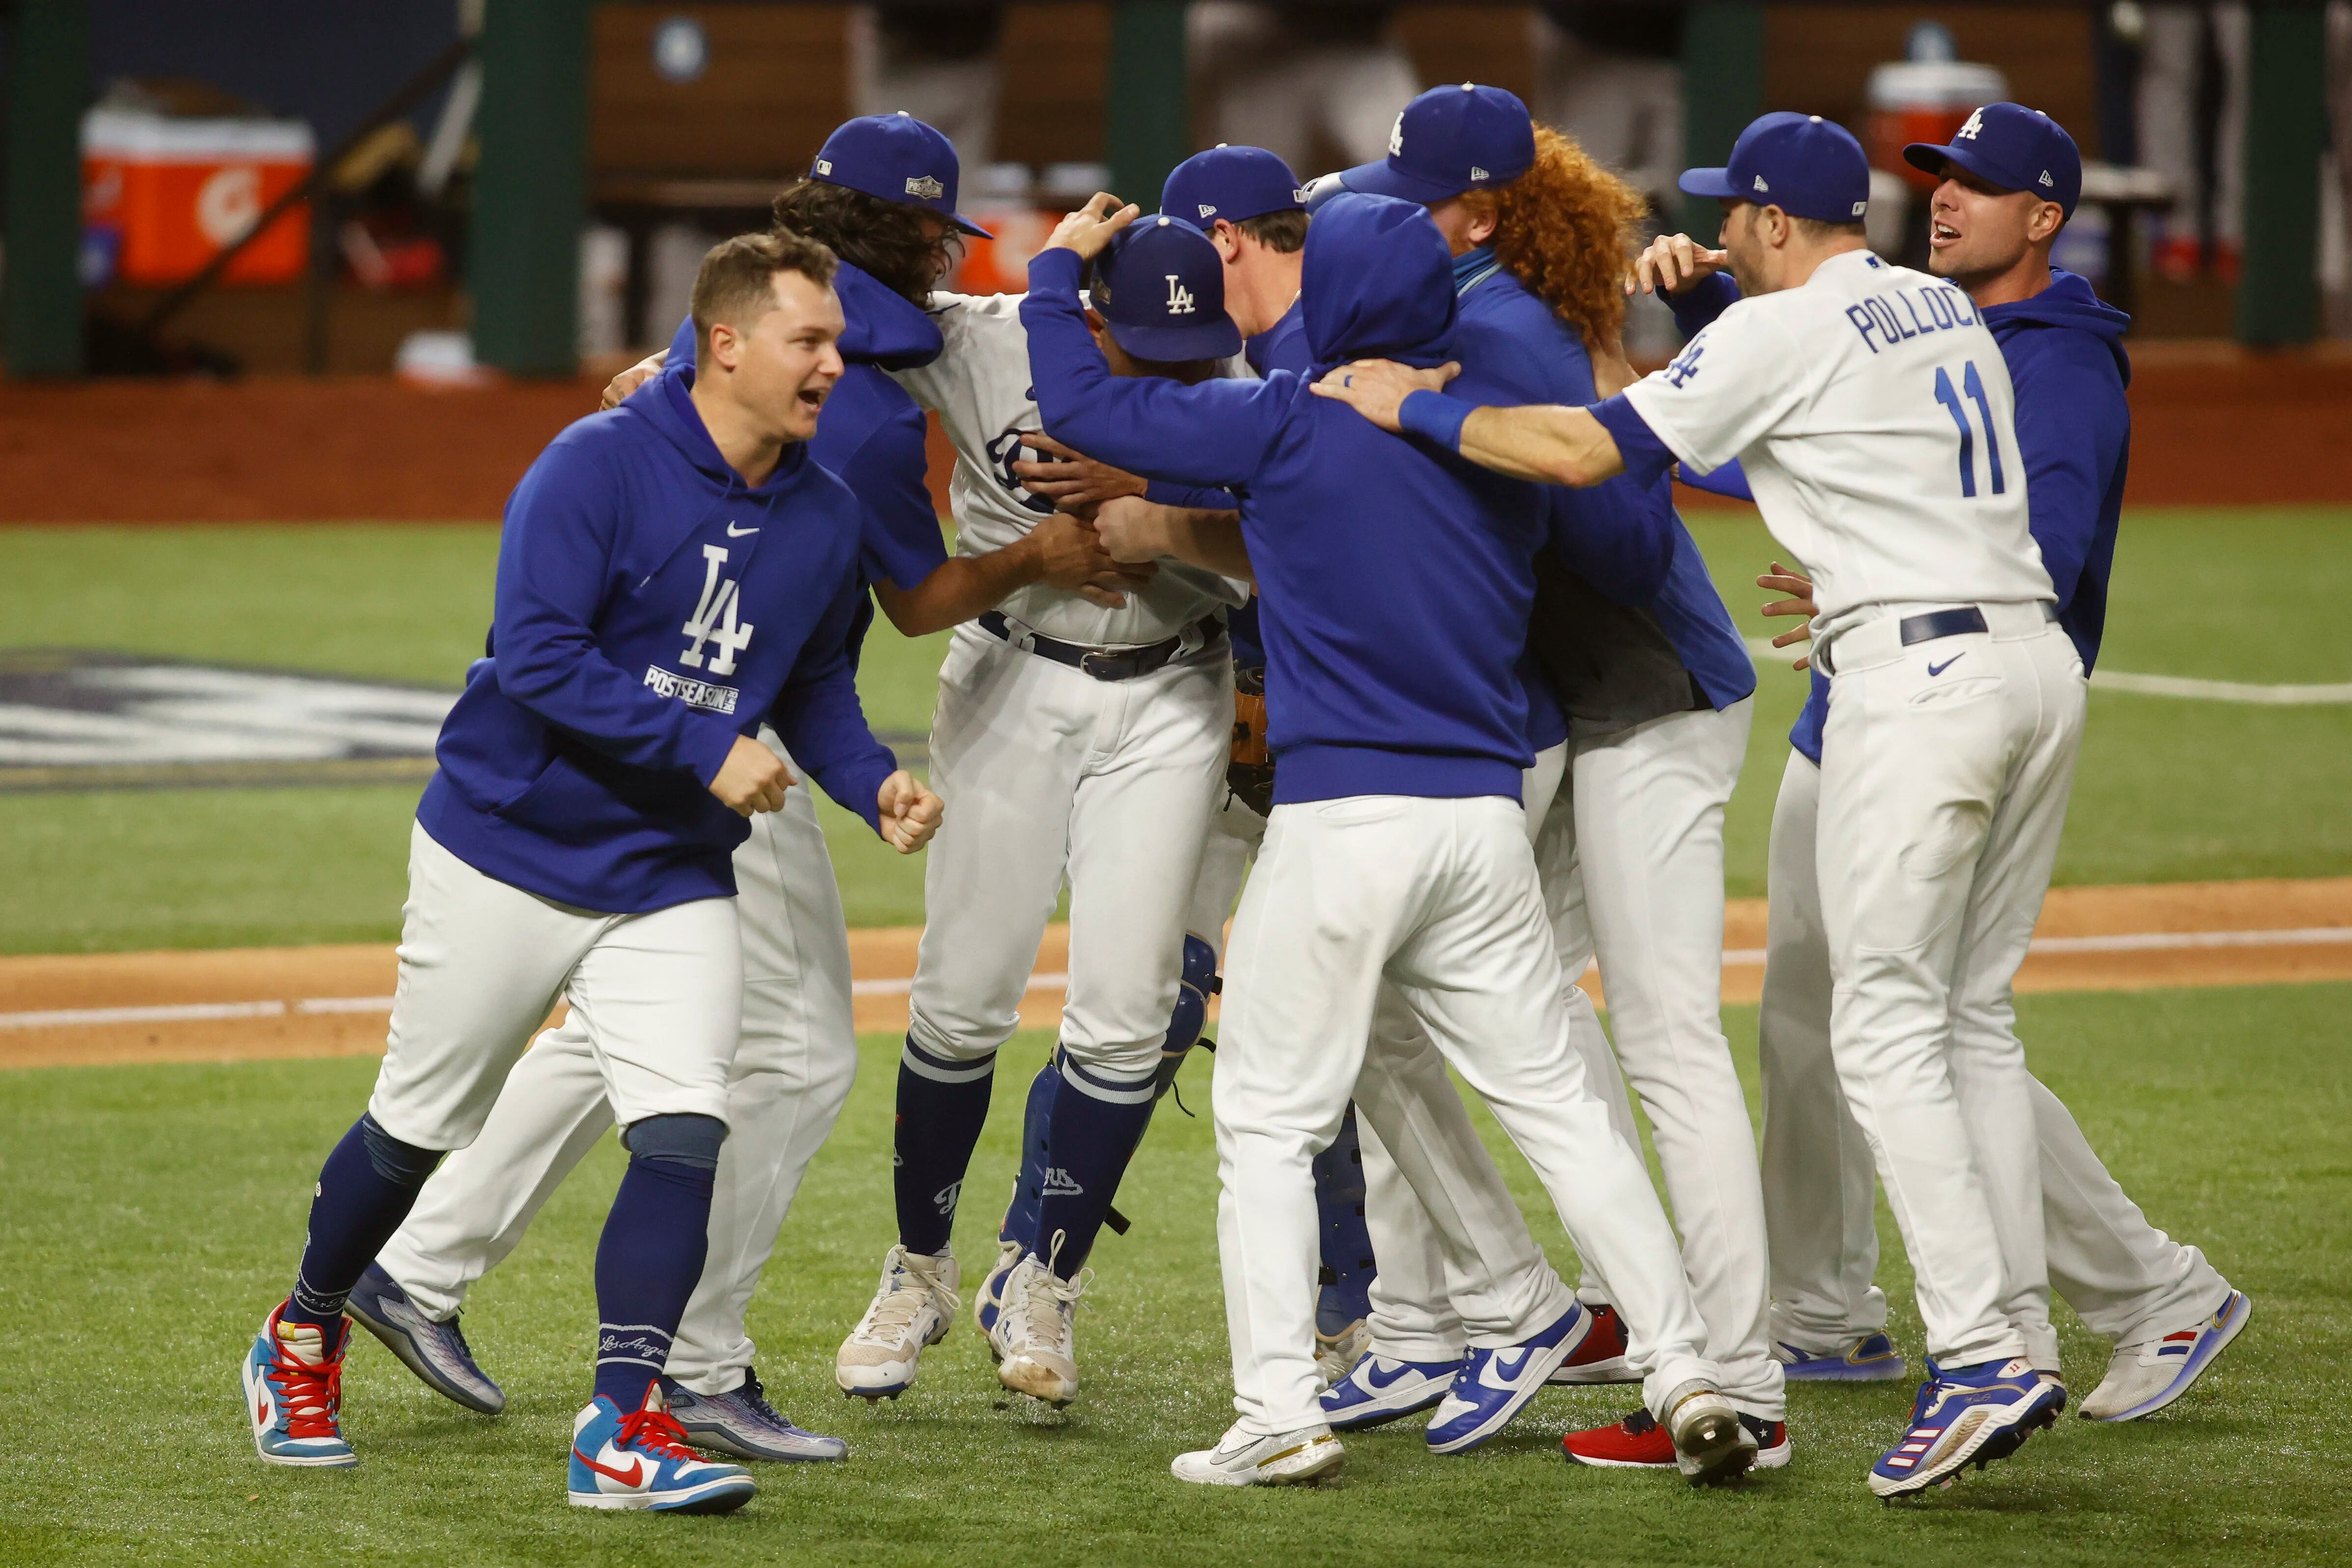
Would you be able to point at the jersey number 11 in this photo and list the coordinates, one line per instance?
(1950, 398)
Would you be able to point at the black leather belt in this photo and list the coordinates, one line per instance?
(1103, 664)
(1953, 622)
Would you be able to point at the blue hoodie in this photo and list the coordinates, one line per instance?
(2066, 354)
(871, 432)
(649, 609)
(1397, 580)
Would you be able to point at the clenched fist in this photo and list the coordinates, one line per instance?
(910, 813)
(752, 779)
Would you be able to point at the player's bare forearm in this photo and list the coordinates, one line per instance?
(1061, 552)
(1210, 540)
(1552, 444)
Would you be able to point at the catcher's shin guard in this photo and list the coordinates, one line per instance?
(1029, 1181)
(1199, 983)
(1348, 1265)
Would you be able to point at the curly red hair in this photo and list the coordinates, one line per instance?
(1564, 229)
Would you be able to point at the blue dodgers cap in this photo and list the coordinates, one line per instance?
(1806, 166)
(1451, 139)
(895, 158)
(1236, 184)
(2012, 146)
(1167, 293)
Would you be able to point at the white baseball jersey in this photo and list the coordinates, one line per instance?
(980, 388)
(1871, 411)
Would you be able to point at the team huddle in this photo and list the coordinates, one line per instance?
(1315, 548)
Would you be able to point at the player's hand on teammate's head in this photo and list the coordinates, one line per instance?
(1087, 231)
(1674, 264)
(752, 779)
(1063, 475)
(910, 813)
(1377, 388)
(636, 376)
(1800, 590)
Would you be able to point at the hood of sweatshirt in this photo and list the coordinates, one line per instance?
(884, 329)
(671, 411)
(2067, 302)
(1377, 283)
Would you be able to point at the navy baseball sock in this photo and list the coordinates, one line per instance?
(1348, 1266)
(366, 1189)
(1098, 1121)
(1029, 1182)
(942, 1106)
(651, 1253)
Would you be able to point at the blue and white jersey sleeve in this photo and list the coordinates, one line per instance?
(1736, 382)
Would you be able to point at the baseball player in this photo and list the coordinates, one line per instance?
(1396, 589)
(799, 1053)
(576, 842)
(2010, 179)
(1658, 683)
(1084, 743)
(1871, 411)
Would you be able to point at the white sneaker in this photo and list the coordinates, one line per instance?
(2147, 1374)
(1711, 1444)
(1244, 1460)
(1335, 1355)
(1033, 1339)
(913, 1308)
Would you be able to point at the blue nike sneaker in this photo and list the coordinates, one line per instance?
(294, 1394)
(1966, 1414)
(741, 1423)
(1495, 1385)
(1872, 1358)
(639, 1460)
(1378, 1390)
(436, 1352)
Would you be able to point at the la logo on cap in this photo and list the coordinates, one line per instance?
(1179, 299)
(926, 187)
(1396, 137)
(1972, 128)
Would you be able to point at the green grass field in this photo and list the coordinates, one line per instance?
(2170, 790)
(153, 1214)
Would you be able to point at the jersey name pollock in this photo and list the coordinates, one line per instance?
(1873, 413)
(980, 388)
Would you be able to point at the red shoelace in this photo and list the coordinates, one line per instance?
(309, 1394)
(655, 1432)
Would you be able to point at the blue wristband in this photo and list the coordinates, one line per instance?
(1435, 417)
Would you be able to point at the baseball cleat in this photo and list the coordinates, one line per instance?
(2144, 1377)
(1244, 1459)
(1033, 1339)
(1872, 1358)
(1495, 1385)
(1712, 1445)
(436, 1352)
(988, 1300)
(1335, 1355)
(294, 1394)
(1602, 1357)
(1966, 1414)
(913, 1308)
(1773, 1448)
(639, 1460)
(1377, 1389)
(742, 1425)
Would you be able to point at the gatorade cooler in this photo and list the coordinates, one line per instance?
(163, 196)
(1926, 97)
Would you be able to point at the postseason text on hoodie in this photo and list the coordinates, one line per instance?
(1396, 579)
(650, 608)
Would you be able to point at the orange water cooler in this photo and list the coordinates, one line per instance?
(162, 196)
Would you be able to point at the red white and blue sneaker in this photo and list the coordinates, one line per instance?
(1378, 1390)
(742, 1425)
(437, 1352)
(1639, 1443)
(2147, 1374)
(1966, 1414)
(294, 1393)
(1602, 1357)
(1495, 1384)
(639, 1460)
(1872, 1358)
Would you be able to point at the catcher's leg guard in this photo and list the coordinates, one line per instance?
(1029, 1182)
(1200, 982)
(1348, 1264)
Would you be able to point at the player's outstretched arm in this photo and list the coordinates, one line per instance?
(1134, 529)
(637, 375)
(1061, 552)
(910, 814)
(1551, 444)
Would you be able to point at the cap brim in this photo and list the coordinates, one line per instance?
(1216, 339)
(968, 227)
(1382, 180)
(1929, 159)
(1714, 182)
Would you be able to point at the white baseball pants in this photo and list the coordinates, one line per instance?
(1438, 897)
(1946, 769)
(2127, 1279)
(792, 1072)
(659, 997)
(1049, 773)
